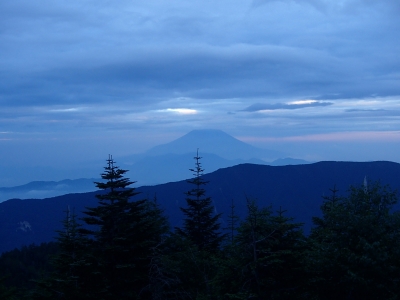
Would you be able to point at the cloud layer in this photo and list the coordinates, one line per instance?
(81, 71)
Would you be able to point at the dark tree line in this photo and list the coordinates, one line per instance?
(124, 249)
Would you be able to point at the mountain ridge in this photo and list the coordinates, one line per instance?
(210, 142)
(45, 189)
(298, 189)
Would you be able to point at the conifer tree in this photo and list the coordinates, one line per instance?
(356, 246)
(265, 261)
(69, 279)
(201, 225)
(71, 258)
(233, 220)
(191, 262)
(124, 236)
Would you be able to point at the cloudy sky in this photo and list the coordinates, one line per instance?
(319, 79)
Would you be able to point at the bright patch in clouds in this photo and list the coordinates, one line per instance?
(65, 110)
(181, 111)
(302, 102)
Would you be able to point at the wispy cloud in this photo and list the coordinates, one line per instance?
(181, 111)
(291, 105)
(345, 136)
(65, 110)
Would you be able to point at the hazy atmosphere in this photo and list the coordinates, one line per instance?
(316, 79)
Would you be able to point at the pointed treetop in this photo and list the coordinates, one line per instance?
(365, 184)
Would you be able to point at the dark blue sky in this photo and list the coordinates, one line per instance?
(319, 79)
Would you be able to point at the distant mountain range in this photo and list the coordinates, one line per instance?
(46, 189)
(295, 188)
(164, 163)
(287, 161)
(170, 162)
(174, 167)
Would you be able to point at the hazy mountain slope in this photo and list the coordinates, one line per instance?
(174, 167)
(297, 189)
(158, 165)
(216, 142)
(45, 189)
(288, 161)
(147, 171)
(23, 222)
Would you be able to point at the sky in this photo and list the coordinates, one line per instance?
(318, 79)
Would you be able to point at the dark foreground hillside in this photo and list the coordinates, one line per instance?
(297, 189)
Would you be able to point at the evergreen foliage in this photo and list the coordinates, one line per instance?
(184, 272)
(201, 224)
(68, 279)
(266, 259)
(190, 261)
(125, 235)
(356, 246)
(19, 267)
(232, 223)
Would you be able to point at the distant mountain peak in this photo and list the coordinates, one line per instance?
(209, 135)
(206, 130)
(213, 141)
(200, 132)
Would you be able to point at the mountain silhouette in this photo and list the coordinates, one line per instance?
(298, 189)
(288, 161)
(220, 149)
(214, 141)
